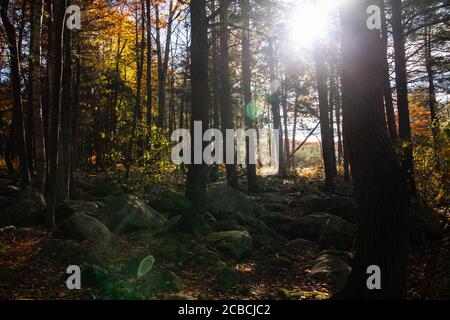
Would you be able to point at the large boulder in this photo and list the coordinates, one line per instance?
(307, 227)
(171, 203)
(336, 233)
(33, 195)
(332, 269)
(223, 201)
(25, 213)
(277, 221)
(128, 213)
(230, 277)
(252, 224)
(337, 205)
(298, 246)
(69, 252)
(106, 188)
(165, 281)
(68, 208)
(80, 226)
(237, 244)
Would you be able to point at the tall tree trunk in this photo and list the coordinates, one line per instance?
(333, 103)
(402, 94)
(294, 129)
(59, 8)
(163, 64)
(66, 121)
(275, 106)
(197, 178)
(285, 121)
(431, 86)
(226, 103)
(338, 123)
(388, 104)
(16, 88)
(39, 142)
(324, 118)
(249, 105)
(148, 84)
(137, 112)
(381, 190)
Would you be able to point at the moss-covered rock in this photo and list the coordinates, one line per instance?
(128, 213)
(165, 281)
(230, 277)
(223, 201)
(80, 226)
(237, 244)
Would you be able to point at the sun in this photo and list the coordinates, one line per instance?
(309, 21)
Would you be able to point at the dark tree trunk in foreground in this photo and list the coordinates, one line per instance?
(249, 106)
(381, 190)
(404, 125)
(39, 142)
(325, 130)
(197, 178)
(226, 103)
(388, 104)
(59, 7)
(13, 48)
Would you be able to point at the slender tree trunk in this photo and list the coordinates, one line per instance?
(324, 118)
(285, 122)
(163, 64)
(333, 103)
(249, 105)
(275, 106)
(66, 121)
(294, 129)
(388, 104)
(39, 136)
(197, 177)
(226, 103)
(338, 123)
(16, 88)
(381, 190)
(431, 86)
(59, 8)
(402, 94)
(148, 84)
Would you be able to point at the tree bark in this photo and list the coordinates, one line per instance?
(275, 106)
(148, 84)
(325, 130)
(59, 8)
(13, 48)
(39, 136)
(388, 104)
(226, 103)
(249, 105)
(381, 190)
(197, 177)
(402, 95)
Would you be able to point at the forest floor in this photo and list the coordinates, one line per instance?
(269, 271)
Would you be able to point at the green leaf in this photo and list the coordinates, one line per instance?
(146, 266)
